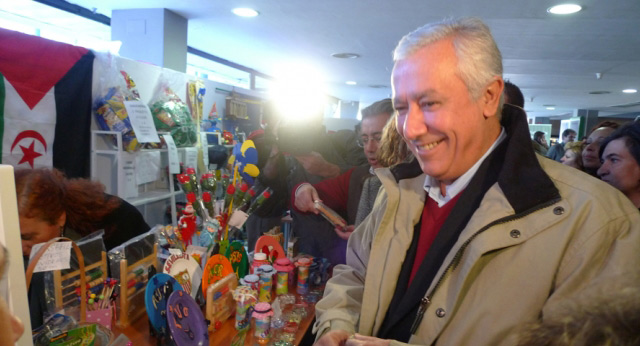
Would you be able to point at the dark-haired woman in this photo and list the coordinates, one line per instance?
(50, 205)
(620, 155)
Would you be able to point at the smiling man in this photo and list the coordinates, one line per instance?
(477, 236)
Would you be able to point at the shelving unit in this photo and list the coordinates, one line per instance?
(108, 162)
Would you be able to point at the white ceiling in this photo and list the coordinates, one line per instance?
(553, 59)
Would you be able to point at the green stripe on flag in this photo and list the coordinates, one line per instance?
(2, 95)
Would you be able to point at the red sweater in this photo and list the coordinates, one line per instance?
(333, 192)
(433, 218)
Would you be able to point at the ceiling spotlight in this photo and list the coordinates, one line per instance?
(551, 108)
(630, 91)
(564, 9)
(350, 82)
(345, 55)
(245, 12)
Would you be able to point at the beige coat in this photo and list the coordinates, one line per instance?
(507, 273)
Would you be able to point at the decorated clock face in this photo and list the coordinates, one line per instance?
(270, 246)
(159, 288)
(186, 321)
(217, 267)
(237, 255)
(186, 270)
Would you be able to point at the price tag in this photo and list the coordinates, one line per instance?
(191, 157)
(57, 256)
(147, 167)
(142, 121)
(129, 186)
(205, 149)
(238, 218)
(174, 160)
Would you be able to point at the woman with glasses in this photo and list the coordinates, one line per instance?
(591, 146)
(620, 156)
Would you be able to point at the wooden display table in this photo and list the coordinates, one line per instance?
(138, 332)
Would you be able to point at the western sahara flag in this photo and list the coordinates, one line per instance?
(45, 103)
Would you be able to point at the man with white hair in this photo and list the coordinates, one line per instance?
(477, 236)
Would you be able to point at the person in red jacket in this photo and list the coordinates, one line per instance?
(342, 193)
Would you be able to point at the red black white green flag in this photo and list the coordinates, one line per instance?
(45, 103)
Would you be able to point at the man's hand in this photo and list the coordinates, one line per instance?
(306, 194)
(358, 339)
(315, 164)
(344, 233)
(333, 338)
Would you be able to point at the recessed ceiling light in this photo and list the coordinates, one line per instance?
(245, 12)
(564, 9)
(599, 92)
(350, 82)
(551, 108)
(378, 86)
(630, 91)
(345, 55)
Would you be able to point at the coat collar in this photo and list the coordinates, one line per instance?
(522, 180)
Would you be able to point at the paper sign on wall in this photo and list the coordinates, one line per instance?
(190, 157)
(174, 159)
(147, 167)
(142, 121)
(129, 186)
(205, 149)
(57, 256)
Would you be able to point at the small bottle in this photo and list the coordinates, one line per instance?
(262, 316)
(303, 265)
(266, 272)
(285, 270)
(259, 258)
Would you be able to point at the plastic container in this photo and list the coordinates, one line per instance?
(284, 276)
(259, 258)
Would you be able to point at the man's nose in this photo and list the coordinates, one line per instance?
(414, 124)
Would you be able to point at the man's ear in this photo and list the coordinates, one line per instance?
(491, 97)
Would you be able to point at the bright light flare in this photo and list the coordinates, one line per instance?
(299, 94)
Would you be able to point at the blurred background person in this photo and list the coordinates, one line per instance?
(540, 145)
(620, 156)
(393, 150)
(342, 193)
(591, 146)
(513, 95)
(573, 155)
(607, 314)
(556, 152)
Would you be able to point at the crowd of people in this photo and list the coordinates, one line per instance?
(610, 152)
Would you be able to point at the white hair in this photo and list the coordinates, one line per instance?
(479, 59)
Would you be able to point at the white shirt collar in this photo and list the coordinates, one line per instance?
(432, 186)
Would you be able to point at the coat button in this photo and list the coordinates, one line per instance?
(440, 312)
(514, 233)
(558, 210)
